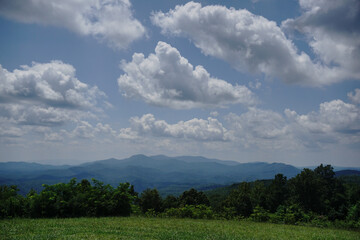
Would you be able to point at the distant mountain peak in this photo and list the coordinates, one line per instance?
(137, 156)
(167, 174)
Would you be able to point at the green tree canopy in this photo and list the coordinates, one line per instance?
(150, 199)
(193, 197)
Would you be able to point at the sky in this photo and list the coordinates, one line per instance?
(251, 80)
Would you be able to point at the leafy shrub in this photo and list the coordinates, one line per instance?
(228, 213)
(150, 213)
(260, 215)
(289, 215)
(68, 200)
(190, 211)
(11, 204)
(354, 213)
(320, 221)
(135, 210)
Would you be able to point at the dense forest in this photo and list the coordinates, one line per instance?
(313, 196)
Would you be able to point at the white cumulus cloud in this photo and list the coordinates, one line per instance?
(248, 42)
(82, 130)
(46, 94)
(333, 117)
(333, 31)
(334, 122)
(195, 129)
(111, 21)
(168, 79)
(355, 97)
(264, 129)
(258, 123)
(52, 83)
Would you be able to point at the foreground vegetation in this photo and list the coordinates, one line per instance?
(160, 228)
(313, 197)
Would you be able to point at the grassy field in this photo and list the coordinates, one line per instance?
(157, 228)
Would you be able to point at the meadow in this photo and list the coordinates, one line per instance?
(160, 228)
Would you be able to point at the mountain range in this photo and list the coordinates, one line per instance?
(170, 175)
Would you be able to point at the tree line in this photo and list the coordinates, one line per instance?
(63, 200)
(313, 196)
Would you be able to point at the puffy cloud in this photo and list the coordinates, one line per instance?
(355, 98)
(248, 42)
(105, 129)
(87, 131)
(46, 94)
(335, 122)
(168, 79)
(335, 116)
(128, 134)
(258, 123)
(37, 115)
(259, 128)
(52, 83)
(82, 130)
(196, 129)
(107, 20)
(333, 30)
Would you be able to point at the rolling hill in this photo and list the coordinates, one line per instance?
(170, 175)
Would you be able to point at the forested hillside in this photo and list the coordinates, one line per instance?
(170, 175)
(313, 196)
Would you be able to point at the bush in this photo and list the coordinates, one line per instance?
(320, 221)
(203, 212)
(11, 204)
(190, 211)
(135, 210)
(68, 200)
(354, 213)
(289, 215)
(228, 213)
(348, 224)
(150, 213)
(260, 215)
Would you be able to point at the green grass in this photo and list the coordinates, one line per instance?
(157, 228)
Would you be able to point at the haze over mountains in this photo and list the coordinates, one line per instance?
(170, 175)
(167, 174)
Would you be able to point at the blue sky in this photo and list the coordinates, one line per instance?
(265, 80)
